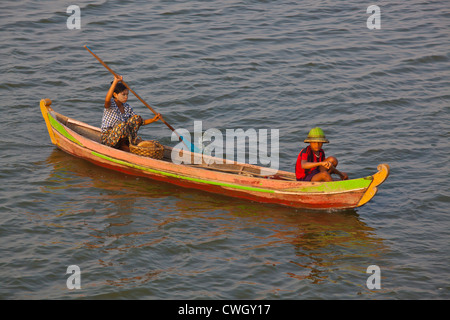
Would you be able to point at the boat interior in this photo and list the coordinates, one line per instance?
(205, 162)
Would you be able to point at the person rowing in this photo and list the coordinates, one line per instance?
(120, 123)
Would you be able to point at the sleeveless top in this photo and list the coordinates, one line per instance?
(308, 155)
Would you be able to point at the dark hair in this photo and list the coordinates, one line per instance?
(120, 87)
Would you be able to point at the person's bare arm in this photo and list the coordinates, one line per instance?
(343, 175)
(155, 118)
(309, 165)
(111, 91)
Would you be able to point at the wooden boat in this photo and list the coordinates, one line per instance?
(236, 179)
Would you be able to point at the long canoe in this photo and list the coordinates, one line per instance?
(235, 179)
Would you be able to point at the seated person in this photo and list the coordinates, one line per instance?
(119, 120)
(311, 162)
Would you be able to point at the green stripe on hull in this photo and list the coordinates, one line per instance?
(327, 187)
(58, 127)
(172, 175)
(335, 186)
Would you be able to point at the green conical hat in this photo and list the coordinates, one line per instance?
(316, 135)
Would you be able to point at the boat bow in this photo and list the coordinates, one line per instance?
(377, 179)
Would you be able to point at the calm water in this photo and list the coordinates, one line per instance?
(382, 96)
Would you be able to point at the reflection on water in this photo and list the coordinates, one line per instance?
(188, 233)
(319, 239)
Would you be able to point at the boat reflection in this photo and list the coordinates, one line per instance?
(141, 213)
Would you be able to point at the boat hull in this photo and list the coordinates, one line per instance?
(68, 135)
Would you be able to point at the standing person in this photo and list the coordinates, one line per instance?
(119, 121)
(311, 162)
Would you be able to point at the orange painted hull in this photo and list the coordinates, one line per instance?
(81, 140)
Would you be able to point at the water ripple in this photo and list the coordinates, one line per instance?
(380, 95)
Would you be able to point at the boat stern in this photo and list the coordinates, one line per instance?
(377, 179)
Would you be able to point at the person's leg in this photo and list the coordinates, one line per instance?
(322, 176)
(115, 136)
(334, 170)
(133, 124)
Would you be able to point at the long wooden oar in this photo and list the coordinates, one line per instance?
(186, 142)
